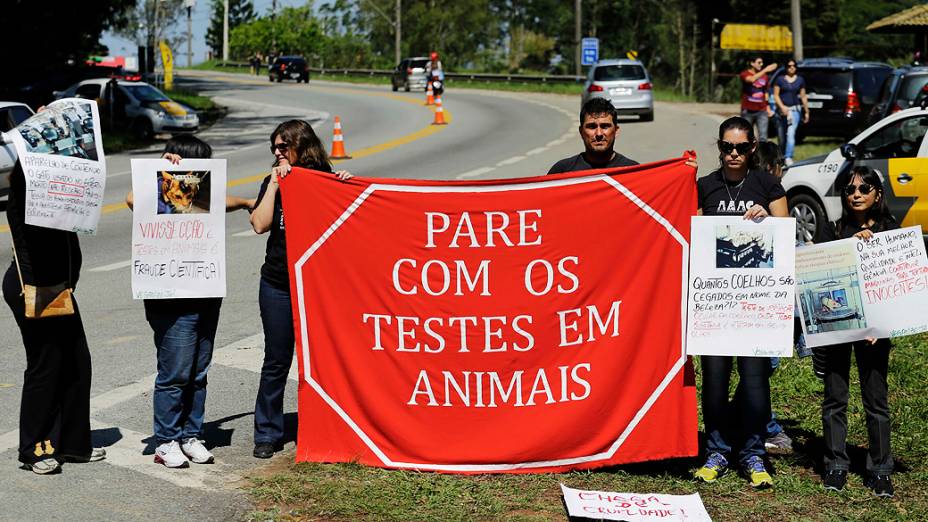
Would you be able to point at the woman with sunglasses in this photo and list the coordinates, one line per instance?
(864, 213)
(294, 144)
(737, 188)
(789, 94)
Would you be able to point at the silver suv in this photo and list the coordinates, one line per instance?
(626, 83)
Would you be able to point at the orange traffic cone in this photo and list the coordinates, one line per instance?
(429, 96)
(439, 113)
(338, 142)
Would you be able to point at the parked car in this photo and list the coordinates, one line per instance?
(625, 83)
(841, 94)
(900, 91)
(410, 74)
(288, 68)
(891, 146)
(146, 109)
(11, 115)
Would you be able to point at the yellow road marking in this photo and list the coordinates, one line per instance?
(387, 145)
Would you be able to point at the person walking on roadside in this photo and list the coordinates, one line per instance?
(184, 335)
(737, 188)
(294, 144)
(864, 213)
(754, 106)
(789, 94)
(54, 414)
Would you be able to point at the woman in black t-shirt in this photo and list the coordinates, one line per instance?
(737, 189)
(293, 143)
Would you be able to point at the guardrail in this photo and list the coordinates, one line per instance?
(449, 76)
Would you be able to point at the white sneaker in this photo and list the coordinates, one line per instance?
(197, 452)
(170, 455)
(789, 162)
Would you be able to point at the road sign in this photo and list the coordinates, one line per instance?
(589, 48)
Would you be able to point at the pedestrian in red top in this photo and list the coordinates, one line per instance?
(754, 106)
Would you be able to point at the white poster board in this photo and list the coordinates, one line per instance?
(61, 153)
(741, 293)
(178, 228)
(851, 289)
(633, 507)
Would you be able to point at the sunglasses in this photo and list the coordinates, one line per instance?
(743, 148)
(864, 188)
(282, 147)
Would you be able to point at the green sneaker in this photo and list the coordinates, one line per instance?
(757, 473)
(714, 468)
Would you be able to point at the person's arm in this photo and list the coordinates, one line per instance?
(753, 78)
(262, 217)
(779, 101)
(778, 208)
(805, 104)
(234, 203)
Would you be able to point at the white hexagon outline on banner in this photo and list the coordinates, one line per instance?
(603, 455)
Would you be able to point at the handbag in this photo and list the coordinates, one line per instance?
(46, 301)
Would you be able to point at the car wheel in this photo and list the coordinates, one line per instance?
(810, 216)
(648, 116)
(142, 128)
(406, 86)
(394, 86)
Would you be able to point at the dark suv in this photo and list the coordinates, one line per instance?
(841, 94)
(899, 91)
(288, 68)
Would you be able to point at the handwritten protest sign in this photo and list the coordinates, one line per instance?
(851, 289)
(178, 228)
(492, 326)
(61, 153)
(741, 291)
(633, 507)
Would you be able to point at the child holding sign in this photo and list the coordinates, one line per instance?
(865, 212)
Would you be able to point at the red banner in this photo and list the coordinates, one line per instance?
(518, 325)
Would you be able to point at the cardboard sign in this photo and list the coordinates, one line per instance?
(633, 507)
(851, 289)
(476, 326)
(742, 287)
(178, 228)
(61, 153)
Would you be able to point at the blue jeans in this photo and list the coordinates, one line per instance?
(787, 131)
(751, 405)
(184, 343)
(277, 319)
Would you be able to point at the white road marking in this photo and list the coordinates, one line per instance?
(510, 161)
(112, 266)
(475, 173)
(245, 233)
(532, 152)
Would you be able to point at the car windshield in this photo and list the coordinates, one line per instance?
(146, 93)
(609, 73)
(13, 116)
(912, 86)
(827, 80)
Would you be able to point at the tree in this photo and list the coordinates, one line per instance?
(240, 12)
(293, 30)
(150, 21)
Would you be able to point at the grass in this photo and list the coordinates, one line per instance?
(815, 146)
(311, 491)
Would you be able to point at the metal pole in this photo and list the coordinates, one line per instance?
(712, 61)
(189, 37)
(399, 30)
(796, 22)
(225, 32)
(578, 7)
(273, 32)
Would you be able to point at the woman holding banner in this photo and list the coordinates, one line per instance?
(294, 144)
(737, 188)
(865, 212)
(54, 415)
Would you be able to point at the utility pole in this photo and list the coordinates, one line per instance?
(190, 4)
(399, 30)
(225, 32)
(273, 26)
(578, 8)
(796, 22)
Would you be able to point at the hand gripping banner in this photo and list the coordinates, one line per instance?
(522, 325)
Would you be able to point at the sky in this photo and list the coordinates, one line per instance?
(200, 15)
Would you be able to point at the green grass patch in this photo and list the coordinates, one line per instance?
(312, 491)
(815, 146)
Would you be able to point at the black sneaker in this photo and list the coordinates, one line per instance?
(263, 450)
(835, 480)
(881, 485)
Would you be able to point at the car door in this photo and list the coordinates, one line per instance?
(896, 152)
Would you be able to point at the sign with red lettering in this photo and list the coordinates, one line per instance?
(633, 507)
(523, 325)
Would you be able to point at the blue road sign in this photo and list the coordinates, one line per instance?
(589, 51)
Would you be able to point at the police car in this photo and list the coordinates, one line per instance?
(895, 147)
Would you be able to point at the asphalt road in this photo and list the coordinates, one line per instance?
(389, 134)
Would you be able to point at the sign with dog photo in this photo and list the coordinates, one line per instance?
(178, 236)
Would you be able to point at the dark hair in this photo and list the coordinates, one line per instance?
(597, 106)
(302, 139)
(791, 60)
(187, 146)
(879, 212)
(755, 57)
(737, 122)
(768, 156)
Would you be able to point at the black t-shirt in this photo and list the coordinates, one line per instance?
(841, 230)
(578, 162)
(274, 270)
(719, 197)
